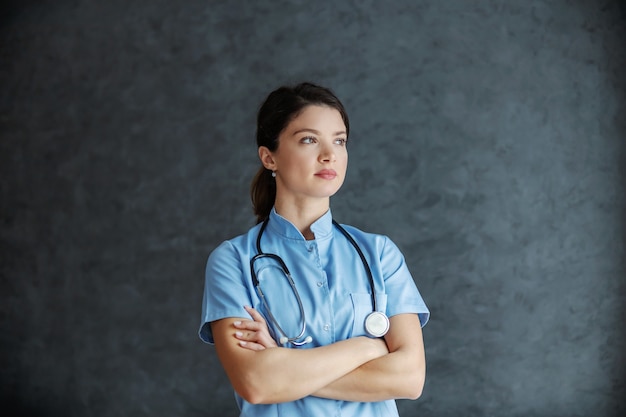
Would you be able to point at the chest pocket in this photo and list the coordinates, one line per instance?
(362, 307)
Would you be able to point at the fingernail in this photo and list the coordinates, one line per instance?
(237, 323)
(238, 334)
(247, 307)
(242, 343)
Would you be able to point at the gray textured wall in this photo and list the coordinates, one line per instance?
(488, 141)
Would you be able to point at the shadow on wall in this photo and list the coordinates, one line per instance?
(9, 9)
(16, 408)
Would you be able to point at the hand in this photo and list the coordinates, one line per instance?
(380, 345)
(254, 334)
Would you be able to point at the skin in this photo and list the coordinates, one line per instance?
(314, 141)
(357, 369)
(399, 374)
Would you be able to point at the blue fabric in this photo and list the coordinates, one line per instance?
(332, 283)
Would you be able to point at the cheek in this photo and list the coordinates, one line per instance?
(298, 165)
(344, 161)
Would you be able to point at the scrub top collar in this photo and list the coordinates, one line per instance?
(322, 228)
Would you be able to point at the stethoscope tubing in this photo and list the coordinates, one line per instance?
(370, 277)
(260, 254)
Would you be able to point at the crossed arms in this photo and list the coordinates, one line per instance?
(357, 369)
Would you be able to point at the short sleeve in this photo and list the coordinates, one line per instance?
(225, 294)
(402, 293)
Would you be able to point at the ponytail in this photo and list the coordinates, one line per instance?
(263, 194)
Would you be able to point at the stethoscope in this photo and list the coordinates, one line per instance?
(376, 322)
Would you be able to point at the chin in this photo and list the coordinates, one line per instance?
(332, 192)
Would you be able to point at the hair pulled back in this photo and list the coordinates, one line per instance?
(279, 108)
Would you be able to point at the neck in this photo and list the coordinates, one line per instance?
(303, 215)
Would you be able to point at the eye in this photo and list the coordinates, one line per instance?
(341, 141)
(308, 139)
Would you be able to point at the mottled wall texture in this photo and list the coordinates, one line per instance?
(488, 141)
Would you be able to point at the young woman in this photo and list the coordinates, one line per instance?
(308, 317)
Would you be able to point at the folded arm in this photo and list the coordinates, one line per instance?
(399, 374)
(273, 375)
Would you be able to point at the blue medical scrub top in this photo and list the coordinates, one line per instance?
(333, 285)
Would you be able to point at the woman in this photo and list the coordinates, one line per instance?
(315, 349)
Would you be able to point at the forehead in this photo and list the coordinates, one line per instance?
(316, 117)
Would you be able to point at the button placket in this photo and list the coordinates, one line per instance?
(313, 250)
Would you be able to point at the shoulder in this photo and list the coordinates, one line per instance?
(361, 234)
(236, 247)
(378, 242)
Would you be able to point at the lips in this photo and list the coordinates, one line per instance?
(327, 174)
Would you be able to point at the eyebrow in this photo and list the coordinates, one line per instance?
(317, 132)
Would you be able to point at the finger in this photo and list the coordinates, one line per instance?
(247, 336)
(261, 338)
(257, 334)
(251, 345)
(266, 340)
(247, 325)
(254, 314)
(254, 331)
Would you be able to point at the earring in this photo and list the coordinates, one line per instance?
(273, 174)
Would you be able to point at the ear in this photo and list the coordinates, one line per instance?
(267, 158)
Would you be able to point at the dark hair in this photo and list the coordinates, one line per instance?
(279, 108)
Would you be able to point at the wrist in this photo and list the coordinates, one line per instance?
(375, 347)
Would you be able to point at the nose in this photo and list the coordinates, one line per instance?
(327, 154)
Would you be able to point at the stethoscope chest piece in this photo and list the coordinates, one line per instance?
(376, 324)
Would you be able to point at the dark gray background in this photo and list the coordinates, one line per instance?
(488, 142)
